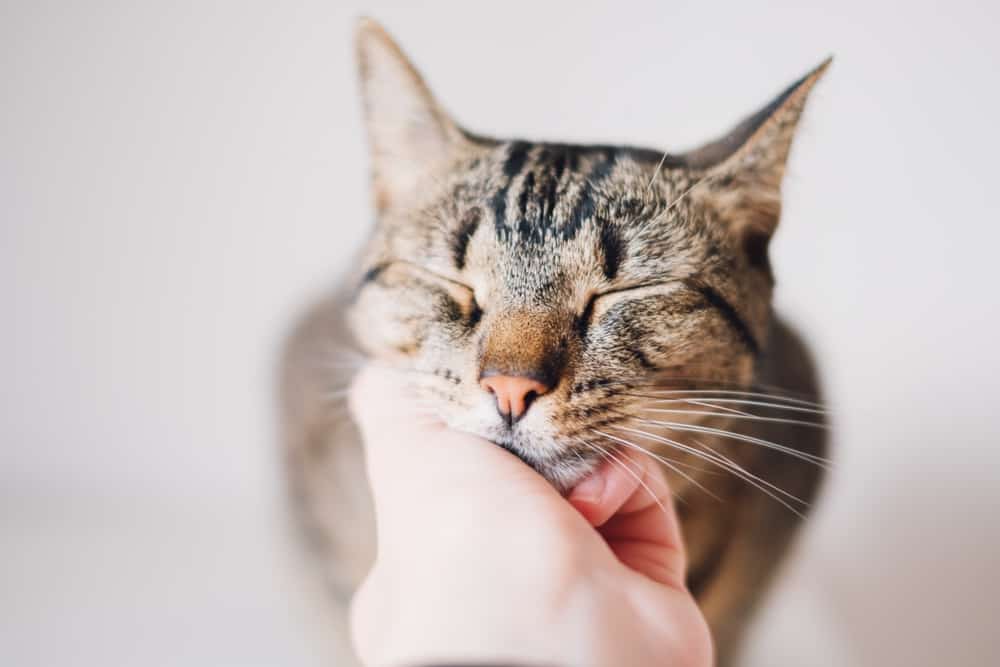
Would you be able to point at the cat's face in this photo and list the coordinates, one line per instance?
(538, 292)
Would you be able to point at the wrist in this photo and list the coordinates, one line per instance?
(542, 626)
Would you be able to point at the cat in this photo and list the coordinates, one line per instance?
(565, 302)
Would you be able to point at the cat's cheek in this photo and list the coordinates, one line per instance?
(382, 333)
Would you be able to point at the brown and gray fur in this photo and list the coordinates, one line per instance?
(614, 274)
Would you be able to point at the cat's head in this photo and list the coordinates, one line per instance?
(538, 290)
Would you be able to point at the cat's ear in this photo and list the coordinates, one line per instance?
(745, 167)
(408, 132)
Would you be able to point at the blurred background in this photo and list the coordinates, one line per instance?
(178, 179)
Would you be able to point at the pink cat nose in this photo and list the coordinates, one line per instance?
(514, 394)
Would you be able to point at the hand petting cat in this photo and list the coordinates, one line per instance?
(481, 561)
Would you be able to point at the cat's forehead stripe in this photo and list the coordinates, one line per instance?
(612, 250)
(517, 155)
(460, 244)
(544, 192)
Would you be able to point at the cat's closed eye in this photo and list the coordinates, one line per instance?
(462, 295)
(600, 302)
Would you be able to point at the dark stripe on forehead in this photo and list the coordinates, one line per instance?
(516, 158)
(460, 244)
(554, 165)
(603, 166)
(572, 158)
(517, 155)
(727, 311)
(612, 249)
(527, 190)
(525, 228)
(537, 177)
(559, 162)
(586, 207)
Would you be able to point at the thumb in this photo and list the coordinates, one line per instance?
(630, 503)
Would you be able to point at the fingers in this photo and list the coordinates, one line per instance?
(628, 499)
(412, 459)
(602, 493)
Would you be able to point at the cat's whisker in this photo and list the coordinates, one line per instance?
(724, 404)
(629, 470)
(656, 172)
(344, 367)
(584, 463)
(726, 464)
(601, 451)
(754, 480)
(659, 457)
(663, 381)
(703, 404)
(663, 378)
(696, 428)
(716, 458)
(661, 460)
(337, 393)
(715, 402)
(724, 415)
(677, 200)
(725, 394)
(343, 356)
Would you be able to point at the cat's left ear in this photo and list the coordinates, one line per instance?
(409, 134)
(744, 169)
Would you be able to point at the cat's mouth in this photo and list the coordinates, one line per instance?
(556, 460)
(519, 453)
(562, 452)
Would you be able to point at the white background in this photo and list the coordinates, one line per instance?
(178, 179)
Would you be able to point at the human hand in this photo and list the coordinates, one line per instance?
(480, 560)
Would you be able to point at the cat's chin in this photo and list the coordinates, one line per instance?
(562, 472)
(540, 447)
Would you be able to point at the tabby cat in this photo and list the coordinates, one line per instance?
(567, 301)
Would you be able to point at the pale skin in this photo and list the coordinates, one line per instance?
(480, 560)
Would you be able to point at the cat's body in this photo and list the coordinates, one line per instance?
(631, 288)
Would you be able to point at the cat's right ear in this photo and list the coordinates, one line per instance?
(744, 168)
(408, 132)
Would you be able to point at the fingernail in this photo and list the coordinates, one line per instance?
(590, 489)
